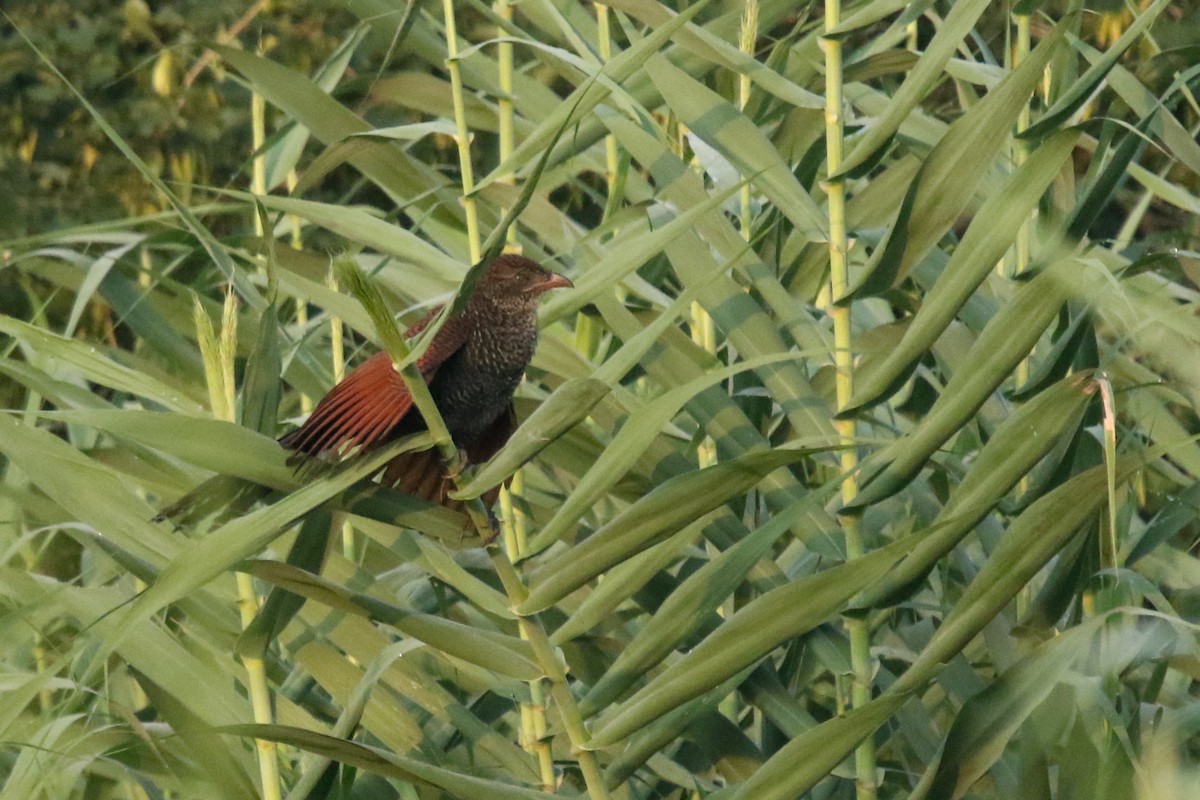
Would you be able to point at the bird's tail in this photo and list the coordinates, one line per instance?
(419, 473)
(423, 474)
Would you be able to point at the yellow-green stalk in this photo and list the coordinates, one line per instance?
(1108, 543)
(218, 370)
(144, 279)
(588, 330)
(258, 137)
(747, 39)
(1107, 533)
(337, 355)
(462, 136)
(533, 713)
(533, 632)
(510, 515)
(860, 638)
(703, 332)
(504, 106)
(1021, 153)
(306, 402)
(610, 141)
(1021, 247)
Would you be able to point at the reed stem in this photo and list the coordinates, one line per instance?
(1021, 248)
(337, 353)
(218, 358)
(512, 519)
(749, 36)
(258, 137)
(462, 135)
(840, 313)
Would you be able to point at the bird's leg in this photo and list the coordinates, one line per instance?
(494, 524)
(469, 525)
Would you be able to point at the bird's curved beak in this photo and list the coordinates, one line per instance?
(554, 281)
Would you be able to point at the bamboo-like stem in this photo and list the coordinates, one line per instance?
(1020, 154)
(588, 332)
(258, 137)
(337, 336)
(747, 39)
(1021, 248)
(859, 633)
(512, 519)
(297, 239)
(533, 632)
(504, 106)
(260, 694)
(462, 136)
(1108, 541)
(218, 368)
(537, 719)
(337, 355)
(611, 160)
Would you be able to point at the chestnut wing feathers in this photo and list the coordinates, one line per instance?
(372, 400)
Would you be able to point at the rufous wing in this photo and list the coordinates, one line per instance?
(373, 399)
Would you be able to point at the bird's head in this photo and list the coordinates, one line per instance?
(514, 277)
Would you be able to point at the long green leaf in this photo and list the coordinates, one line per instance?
(377, 760)
(1006, 340)
(222, 447)
(750, 634)
(630, 442)
(495, 651)
(238, 539)
(96, 367)
(87, 490)
(736, 137)
(686, 609)
(955, 27)
(1023, 440)
(660, 513)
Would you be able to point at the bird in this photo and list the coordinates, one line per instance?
(472, 366)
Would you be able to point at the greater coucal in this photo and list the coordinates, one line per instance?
(472, 366)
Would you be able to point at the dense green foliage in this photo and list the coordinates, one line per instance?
(1023, 269)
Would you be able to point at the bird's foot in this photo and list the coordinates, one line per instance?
(455, 470)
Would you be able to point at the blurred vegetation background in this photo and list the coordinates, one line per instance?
(861, 462)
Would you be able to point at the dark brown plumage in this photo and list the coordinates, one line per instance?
(472, 366)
